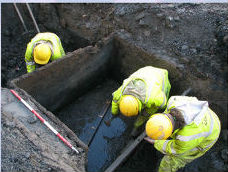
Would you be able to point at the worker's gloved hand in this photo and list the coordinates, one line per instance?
(135, 132)
(151, 141)
(141, 119)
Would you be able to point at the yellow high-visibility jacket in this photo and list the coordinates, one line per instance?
(56, 48)
(149, 84)
(200, 133)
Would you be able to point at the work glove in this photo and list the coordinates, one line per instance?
(115, 108)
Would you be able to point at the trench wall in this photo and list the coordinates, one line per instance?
(131, 58)
(57, 84)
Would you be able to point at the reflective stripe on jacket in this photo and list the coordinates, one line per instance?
(57, 49)
(157, 89)
(200, 133)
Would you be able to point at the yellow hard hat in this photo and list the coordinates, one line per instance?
(129, 105)
(42, 54)
(159, 127)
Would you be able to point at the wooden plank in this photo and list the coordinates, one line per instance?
(125, 153)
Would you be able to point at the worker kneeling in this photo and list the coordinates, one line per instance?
(142, 94)
(44, 47)
(193, 128)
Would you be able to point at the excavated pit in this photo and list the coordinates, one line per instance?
(76, 89)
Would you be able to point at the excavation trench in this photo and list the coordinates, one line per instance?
(77, 89)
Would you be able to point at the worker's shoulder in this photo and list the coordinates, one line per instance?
(177, 98)
(44, 34)
(153, 68)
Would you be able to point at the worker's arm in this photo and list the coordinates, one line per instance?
(167, 85)
(115, 101)
(59, 46)
(175, 147)
(115, 108)
(30, 64)
(61, 49)
(160, 100)
(159, 94)
(156, 101)
(143, 116)
(181, 143)
(58, 51)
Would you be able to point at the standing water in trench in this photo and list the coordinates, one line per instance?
(83, 116)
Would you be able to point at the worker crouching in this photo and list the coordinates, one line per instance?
(145, 92)
(193, 128)
(44, 47)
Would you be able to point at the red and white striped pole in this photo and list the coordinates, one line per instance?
(45, 122)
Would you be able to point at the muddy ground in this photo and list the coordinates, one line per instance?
(194, 36)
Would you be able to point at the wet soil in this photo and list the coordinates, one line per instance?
(83, 116)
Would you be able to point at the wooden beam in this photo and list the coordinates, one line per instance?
(126, 152)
